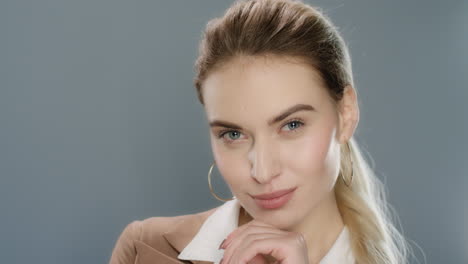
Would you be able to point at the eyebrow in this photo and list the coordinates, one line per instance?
(274, 120)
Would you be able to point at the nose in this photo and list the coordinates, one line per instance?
(263, 157)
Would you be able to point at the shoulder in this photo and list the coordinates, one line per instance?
(148, 234)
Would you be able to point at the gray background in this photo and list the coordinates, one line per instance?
(100, 124)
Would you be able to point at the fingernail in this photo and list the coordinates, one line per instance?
(222, 244)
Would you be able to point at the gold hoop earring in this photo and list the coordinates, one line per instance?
(352, 168)
(211, 188)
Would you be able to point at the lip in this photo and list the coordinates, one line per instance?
(269, 196)
(279, 199)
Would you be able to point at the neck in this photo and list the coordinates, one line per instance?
(320, 228)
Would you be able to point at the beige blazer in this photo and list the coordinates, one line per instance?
(158, 240)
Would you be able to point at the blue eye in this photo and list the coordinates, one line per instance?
(233, 135)
(293, 125)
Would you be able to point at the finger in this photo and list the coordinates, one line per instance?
(266, 246)
(289, 249)
(258, 259)
(240, 242)
(237, 237)
(251, 227)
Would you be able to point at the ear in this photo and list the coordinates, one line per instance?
(349, 114)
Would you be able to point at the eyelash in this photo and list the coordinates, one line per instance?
(296, 120)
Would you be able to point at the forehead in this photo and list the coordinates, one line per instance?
(261, 86)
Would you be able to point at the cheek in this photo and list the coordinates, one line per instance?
(229, 163)
(315, 156)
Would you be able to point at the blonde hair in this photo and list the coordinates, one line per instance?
(293, 29)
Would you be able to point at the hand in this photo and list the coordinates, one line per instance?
(254, 242)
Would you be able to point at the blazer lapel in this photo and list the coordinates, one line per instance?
(185, 229)
(147, 255)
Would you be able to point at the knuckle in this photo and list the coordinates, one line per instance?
(299, 238)
(249, 228)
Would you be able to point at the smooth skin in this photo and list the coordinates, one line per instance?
(256, 155)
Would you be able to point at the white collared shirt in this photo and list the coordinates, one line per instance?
(204, 246)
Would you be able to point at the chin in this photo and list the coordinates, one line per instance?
(282, 219)
(283, 223)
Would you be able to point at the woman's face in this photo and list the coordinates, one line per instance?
(273, 127)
